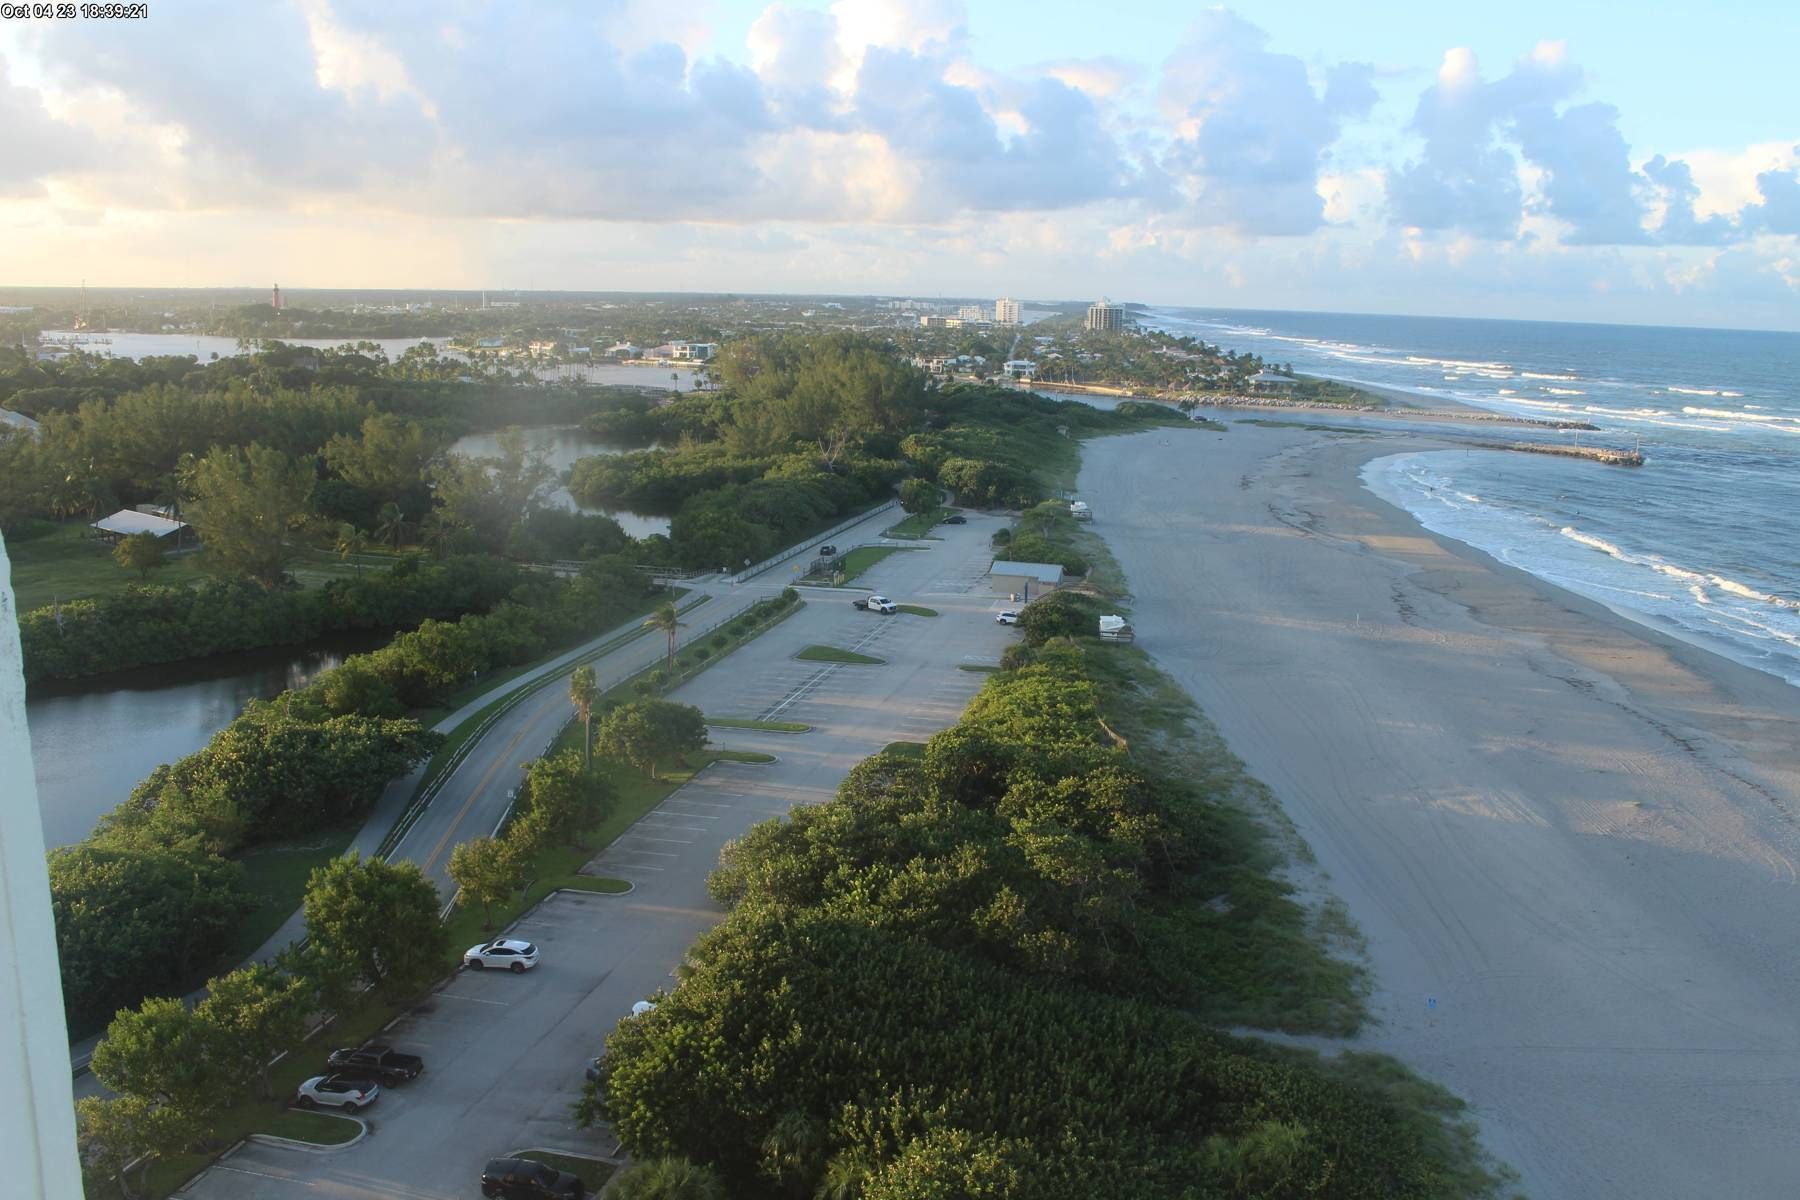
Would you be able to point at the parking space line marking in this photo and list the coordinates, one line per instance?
(672, 841)
(262, 1174)
(475, 999)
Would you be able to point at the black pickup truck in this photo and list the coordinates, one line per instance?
(381, 1061)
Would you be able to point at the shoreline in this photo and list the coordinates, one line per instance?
(1567, 837)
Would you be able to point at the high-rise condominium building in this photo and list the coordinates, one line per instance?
(1106, 318)
(1006, 312)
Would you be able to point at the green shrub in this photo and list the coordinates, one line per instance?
(701, 654)
(1015, 656)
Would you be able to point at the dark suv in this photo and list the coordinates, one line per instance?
(522, 1179)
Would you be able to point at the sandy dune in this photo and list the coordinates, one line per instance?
(1569, 840)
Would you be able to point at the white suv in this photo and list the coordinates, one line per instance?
(338, 1091)
(510, 953)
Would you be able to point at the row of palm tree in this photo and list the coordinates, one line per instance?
(584, 685)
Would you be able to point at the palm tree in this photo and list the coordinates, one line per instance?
(435, 531)
(664, 618)
(390, 523)
(350, 542)
(584, 690)
(667, 1179)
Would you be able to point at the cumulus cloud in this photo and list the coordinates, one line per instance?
(1679, 225)
(1482, 138)
(1465, 181)
(1779, 211)
(33, 144)
(1251, 130)
(244, 85)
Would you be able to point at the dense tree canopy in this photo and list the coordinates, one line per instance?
(131, 921)
(990, 970)
(380, 917)
(245, 505)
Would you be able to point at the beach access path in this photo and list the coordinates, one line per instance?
(1569, 840)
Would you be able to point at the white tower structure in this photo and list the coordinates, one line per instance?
(37, 1137)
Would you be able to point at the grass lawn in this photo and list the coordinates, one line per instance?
(919, 524)
(833, 654)
(65, 565)
(597, 883)
(276, 877)
(593, 1172)
(918, 610)
(743, 756)
(864, 557)
(321, 1129)
(905, 749)
(978, 668)
(765, 726)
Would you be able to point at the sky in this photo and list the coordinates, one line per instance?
(1564, 161)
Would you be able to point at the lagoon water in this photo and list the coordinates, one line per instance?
(562, 446)
(91, 744)
(206, 348)
(1701, 542)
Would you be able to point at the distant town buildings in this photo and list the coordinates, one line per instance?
(971, 313)
(1019, 368)
(1105, 317)
(1268, 381)
(1006, 312)
(933, 321)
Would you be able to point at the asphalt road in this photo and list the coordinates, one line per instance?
(505, 1053)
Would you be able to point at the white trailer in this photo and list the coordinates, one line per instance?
(1116, 629)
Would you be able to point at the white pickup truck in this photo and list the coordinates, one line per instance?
(880, 604)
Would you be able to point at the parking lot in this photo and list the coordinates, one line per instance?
(505, 1053)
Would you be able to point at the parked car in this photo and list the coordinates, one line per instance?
(956, 519)
(338, 1091)
(881, 604)
(827, 551)
(593, 1069)
(510, 953)
(1009, 617)
(377, 1060)
(522, 1179)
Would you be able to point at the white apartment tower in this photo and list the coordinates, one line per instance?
(1006, 312)
(1106, 317)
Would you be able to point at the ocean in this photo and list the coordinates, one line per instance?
(1699, 543)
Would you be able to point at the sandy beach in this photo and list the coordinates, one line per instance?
(1568, 839)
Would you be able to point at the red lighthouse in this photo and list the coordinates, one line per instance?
(275, 298)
